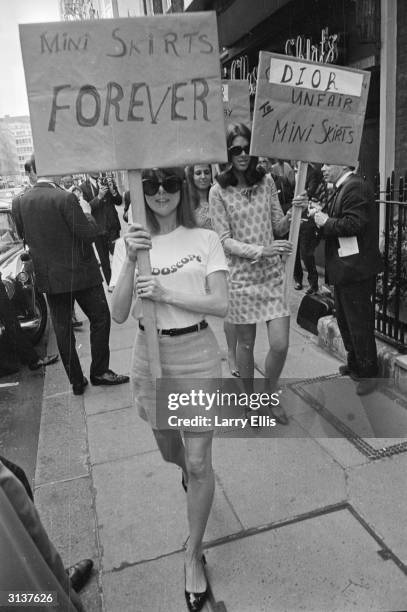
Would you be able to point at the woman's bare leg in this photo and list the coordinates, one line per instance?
(278, 335)
(246, 336)
(201, 487)
(231, 341)
(171, 447)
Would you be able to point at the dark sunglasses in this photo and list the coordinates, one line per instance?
(238, 150)
(172, 184)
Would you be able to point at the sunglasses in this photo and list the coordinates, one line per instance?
(151, 186)
(238, 150)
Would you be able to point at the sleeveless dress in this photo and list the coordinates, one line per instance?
(247, 219)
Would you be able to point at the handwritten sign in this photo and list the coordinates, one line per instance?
(307, 111)
(124, 93)
(236, 101)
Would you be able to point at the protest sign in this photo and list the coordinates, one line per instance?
(307, 111)
(124, 93)
(236, 101)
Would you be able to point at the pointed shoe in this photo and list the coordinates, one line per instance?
(278, 413)
(196, 601)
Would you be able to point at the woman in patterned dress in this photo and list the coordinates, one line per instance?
(245, 211)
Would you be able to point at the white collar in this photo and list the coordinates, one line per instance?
(343, 178)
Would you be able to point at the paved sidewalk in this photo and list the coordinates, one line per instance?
(308, 519)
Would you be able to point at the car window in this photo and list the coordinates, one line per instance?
(8, 231)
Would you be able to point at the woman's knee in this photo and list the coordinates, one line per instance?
(246, 340)
(279, 345)
(199, 466)
(278, 334)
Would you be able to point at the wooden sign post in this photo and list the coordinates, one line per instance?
(309, 112)
(125, 94)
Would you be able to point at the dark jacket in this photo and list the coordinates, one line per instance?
(59, 236)
(352, 212)
(104, 211)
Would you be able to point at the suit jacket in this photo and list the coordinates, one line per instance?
(352, 212)
(60, 238)
(104, 211)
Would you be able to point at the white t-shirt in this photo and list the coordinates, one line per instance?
(182, 260)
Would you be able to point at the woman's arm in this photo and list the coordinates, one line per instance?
(123, 292)
(214, 302)
(137, 238)
(221, 225)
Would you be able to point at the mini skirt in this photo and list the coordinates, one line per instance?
(195, 355)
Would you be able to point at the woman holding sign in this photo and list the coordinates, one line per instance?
(246, 213)
(188, 281)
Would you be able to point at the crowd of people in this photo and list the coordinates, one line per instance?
(223, 235)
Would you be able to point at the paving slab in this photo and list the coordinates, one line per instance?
(379, 492)
(339, 448)
(67, 512)
(378, 415)
(142, 513)
(270, 479)
(68, 515)
(62, 444)
(105, 399)
(118, 434)
(155, 586)
(325, 563)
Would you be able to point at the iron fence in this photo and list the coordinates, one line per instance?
(391, 285)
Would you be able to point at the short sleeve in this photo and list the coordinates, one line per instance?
(216, 256)
(119, 257)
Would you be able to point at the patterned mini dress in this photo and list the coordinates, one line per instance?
(247, 219)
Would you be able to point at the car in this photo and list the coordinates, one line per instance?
(18, 277)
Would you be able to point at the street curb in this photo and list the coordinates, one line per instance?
(66, 503)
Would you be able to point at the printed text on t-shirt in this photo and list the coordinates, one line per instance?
(175, 267)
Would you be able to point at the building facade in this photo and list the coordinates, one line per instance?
(105, 9)
(16, 146)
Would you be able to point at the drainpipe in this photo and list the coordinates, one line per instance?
(388, 67)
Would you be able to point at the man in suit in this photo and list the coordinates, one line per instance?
(103, 197)
(309, 236)
(60, 238)
(352, 259)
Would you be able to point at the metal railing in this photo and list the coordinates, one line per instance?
(391, 285)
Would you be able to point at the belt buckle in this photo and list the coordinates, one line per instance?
(172, 332)
(159, 332)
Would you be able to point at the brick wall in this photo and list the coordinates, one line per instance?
(401, 89)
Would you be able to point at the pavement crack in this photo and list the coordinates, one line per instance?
(127, 564)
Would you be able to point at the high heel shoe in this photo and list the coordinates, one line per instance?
(196, 601)
(279, 414)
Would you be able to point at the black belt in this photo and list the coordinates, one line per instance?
(179, 331)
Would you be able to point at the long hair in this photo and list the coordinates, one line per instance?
(253, 175)
(192, 190)
(185, 216)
